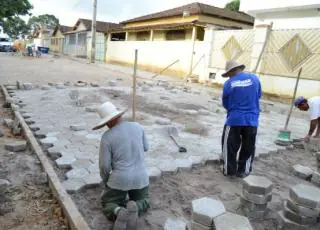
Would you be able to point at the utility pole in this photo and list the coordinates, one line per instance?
(93, 33)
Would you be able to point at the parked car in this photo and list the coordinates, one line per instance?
(6, 45)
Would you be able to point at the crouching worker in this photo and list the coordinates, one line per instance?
(122, 168)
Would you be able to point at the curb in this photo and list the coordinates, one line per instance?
(75, 219)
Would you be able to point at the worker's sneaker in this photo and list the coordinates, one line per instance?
(133, 215)
(121, 221)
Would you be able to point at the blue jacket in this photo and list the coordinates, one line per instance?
(240, 98)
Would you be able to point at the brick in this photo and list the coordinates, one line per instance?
(205, 209)
(256, 198)
(196, 160)
(231, 221)
(257, 185)
(16, 146)
(78, 173)
(254, 214)
(92, 180)
(26, 115)
(168, 168)
(154, 173)
(78, 127)
(74, 185)
(41, 134)
(81, 163)
(196, 226)
(252, 206)
(183, 164)
(65, 162)
(94, 168)
(316, 178)
(29, 121)
(91, 109)
(302, 211)
(48, 142)
(172, 224)
(305, 195)
(55, 152)
(45, 87)
(302, 171)
(27, 86)
(34, 127)
(303, 220)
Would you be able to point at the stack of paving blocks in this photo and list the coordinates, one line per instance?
(256, 193)
(318, 160)
(302, 209)
(208, 214)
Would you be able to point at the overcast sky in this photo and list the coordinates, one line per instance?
(68, 11)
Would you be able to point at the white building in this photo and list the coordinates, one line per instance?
(285, 14)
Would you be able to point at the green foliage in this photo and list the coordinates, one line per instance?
(11, 8)
(15, 27)
(45, 19)
(233, 5)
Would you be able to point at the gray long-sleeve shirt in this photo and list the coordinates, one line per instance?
(122, 157)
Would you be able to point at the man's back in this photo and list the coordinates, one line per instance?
(314, 104)
(241, 96)
(124, 146)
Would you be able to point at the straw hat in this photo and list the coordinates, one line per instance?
(107, 112)
(230, 65)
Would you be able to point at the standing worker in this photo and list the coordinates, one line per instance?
(122, 168)
(313, 106)
(241, 95)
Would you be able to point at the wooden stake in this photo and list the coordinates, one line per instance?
(134, 85)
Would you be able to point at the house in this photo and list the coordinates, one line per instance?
(285, 14)
(77, 41)
(181, 23)
(57, 38)
(171, 36)
(42, 35)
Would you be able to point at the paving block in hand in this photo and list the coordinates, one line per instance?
(295, 217)
(305, 195)
(256, 198)
(173, 224)
(205, 209)
(252, 206)
(286, 224)
(302, 211)
(231, 221)
(16, 146)
(257, 185)
(302, 171)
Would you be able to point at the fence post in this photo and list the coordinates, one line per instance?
(134, 85)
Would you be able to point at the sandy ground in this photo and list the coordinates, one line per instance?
(28, 202)
(171, 196)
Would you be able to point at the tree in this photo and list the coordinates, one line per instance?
(11, 8)
(15, 27)
(233, 5)
(36, 22)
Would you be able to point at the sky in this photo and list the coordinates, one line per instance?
(68, 11)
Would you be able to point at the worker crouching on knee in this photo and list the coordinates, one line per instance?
(122, 168)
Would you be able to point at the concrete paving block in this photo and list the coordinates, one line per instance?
(252, 206)
(26, 115)
(205, 209)
(112, 83)
(94, 137)
(154, 173)
(78, 173)
(27, 86)
(65, 162)
(16, 146)
(80, 84)
(92, 180)
(45, 87)
(84, 155)
(302, 171)
(4, 184)
(78, 127)
(55, 152)
(168, 168)
(94, 84)
(34, 127)
(29, 121)
(254, 214)
(183, 164)
(62, 143)
(48, 142)
(173, 224)
(302, 211)
(81, 163)
(316, 178)
(53, 134)
(60, 86)
(74, 185)
(196, 160)
(91, 109)
(212, 159)
(41, 134)
(305, 195)
(94, 168)
(303, 220)
(257, 185)
(286, 224)
(231, 221)
(256, 198)
(196, 226)
(163, 121)
(318, 156)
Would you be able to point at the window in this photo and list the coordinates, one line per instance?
(72, 39)
(82, 38)
(176, 35)
(143, 36)
(118, 37)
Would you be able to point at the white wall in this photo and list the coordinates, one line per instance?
(157, 54)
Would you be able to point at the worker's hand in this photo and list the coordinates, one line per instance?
(307, 139)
